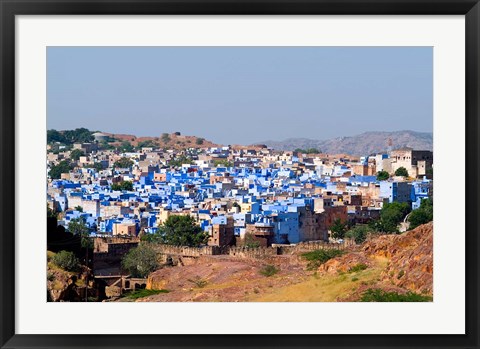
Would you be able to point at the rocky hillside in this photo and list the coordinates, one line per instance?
(397, 264)
(409, 264)
(411, 258)
(363, 144)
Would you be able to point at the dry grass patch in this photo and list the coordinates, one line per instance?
(324, 288)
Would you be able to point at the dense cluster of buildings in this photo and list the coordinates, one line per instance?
(233, 192)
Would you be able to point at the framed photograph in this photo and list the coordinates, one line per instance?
(239, 174)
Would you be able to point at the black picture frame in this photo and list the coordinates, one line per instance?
(10, 8)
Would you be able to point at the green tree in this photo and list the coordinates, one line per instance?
(390, 216)
(358, 233)
(123, 163)
(75, 154)
(313, 151)
(124, 185)
(307, 151)
(338, 229)
(199, 141)
(222, 162)
(126, 147)
(180, 161)
(181, 231)
(78, 208)
(382, 176)
(68, 137)
(421, 215)
(140, 261)
(96, 165)
(104, 145)
(54, 136)
(402, 172)
(57, 170)
(79, 135)
(78, 226)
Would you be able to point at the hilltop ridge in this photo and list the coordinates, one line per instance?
(362, 144)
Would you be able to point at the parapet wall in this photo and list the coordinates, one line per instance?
(242, 252)
(256, 252)
(114, 244)
(189, 251)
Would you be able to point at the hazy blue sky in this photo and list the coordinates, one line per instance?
(240, 94)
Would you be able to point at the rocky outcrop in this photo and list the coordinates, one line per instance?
(64, 286)
(344, 263)
(411, 258)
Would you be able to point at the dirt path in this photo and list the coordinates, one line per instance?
(223, 280)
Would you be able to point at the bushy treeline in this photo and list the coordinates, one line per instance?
(308, 151)
(69, 137)
(391, 215)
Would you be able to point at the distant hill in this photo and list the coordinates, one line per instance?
(165, 140)
(362, 144)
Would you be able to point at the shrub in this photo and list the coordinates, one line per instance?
(66, 260)
(318, 257)
(222, 162)
(143, 293)
(400, 274)
(200, 283)
(250, 242)
(147, 144)
(50, 255)
(269, 270)
(377, 295)
(50, 276)
(354, 279)
(358, 267)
